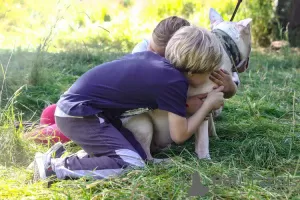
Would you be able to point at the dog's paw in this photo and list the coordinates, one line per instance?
(204, 156)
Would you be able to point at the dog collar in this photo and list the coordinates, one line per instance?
(230, 48)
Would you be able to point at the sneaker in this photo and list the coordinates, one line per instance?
(42, 167)
(42, 163)
(56, 151)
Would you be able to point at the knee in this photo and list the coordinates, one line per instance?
(130, 157)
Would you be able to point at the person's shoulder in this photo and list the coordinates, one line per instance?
(150, 61)
(144, 55)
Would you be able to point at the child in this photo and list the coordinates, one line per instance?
(158, 42)
(161, 35)
(89, 111)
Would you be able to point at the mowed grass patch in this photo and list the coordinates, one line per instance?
(257, 156)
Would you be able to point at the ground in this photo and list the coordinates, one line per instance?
(257, 156)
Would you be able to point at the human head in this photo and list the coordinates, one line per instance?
(194, 50)
(164, 31)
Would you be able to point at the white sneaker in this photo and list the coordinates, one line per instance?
(42, 163)
(40, 166)
(56, 151)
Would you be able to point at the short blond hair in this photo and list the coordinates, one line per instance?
(195, 50)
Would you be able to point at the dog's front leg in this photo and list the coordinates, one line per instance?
(202, 141)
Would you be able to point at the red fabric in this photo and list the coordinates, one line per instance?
(47, 116)
(50, 134)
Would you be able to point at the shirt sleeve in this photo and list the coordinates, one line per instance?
(173, 98)
(142, 46)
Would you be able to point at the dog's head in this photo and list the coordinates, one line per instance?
(239, 32)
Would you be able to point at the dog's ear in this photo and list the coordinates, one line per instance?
(244, 25)
(214, 17)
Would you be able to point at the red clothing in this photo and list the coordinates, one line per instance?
(47, 116)
(50, 133)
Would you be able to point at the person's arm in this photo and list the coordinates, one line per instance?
(181, 129)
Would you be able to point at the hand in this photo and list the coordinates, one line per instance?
(215, 99)
(223, 78)
(194, 103)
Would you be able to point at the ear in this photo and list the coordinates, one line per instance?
(244, 24)
(214, 17)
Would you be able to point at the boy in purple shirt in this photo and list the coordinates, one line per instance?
(158, 42)
(89, 112)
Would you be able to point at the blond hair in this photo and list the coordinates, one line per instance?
(195, 50)
(166, 28)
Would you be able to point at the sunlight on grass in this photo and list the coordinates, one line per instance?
(258, 130)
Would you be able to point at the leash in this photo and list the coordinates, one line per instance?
(236, 8)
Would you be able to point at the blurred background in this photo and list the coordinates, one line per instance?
(119, 24)
(46, 45)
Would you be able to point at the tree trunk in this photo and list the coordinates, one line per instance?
(294, 24)
(281, 19)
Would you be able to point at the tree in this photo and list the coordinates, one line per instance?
(281, 19)
(294, 24)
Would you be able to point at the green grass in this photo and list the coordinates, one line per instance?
(259, 134)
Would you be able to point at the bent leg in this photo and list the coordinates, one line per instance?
(109, 150)
(47, 134)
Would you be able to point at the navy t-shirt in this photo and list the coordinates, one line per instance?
(139, 80)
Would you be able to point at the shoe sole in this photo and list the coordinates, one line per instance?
(39, 167)
(54, 148)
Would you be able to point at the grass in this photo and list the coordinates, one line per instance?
(259, 132)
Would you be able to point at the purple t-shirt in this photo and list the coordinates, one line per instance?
(140, 80)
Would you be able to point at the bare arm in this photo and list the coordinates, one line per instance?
(182, 129)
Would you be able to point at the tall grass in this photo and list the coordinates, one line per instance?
(259, 129)
(257, 156)
(15, 150)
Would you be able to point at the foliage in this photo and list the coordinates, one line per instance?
(262, 14)
(114, 25)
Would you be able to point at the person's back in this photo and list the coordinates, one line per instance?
(140, 80)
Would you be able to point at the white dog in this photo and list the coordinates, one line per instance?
(151, 129)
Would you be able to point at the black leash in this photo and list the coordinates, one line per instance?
(236, 8)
